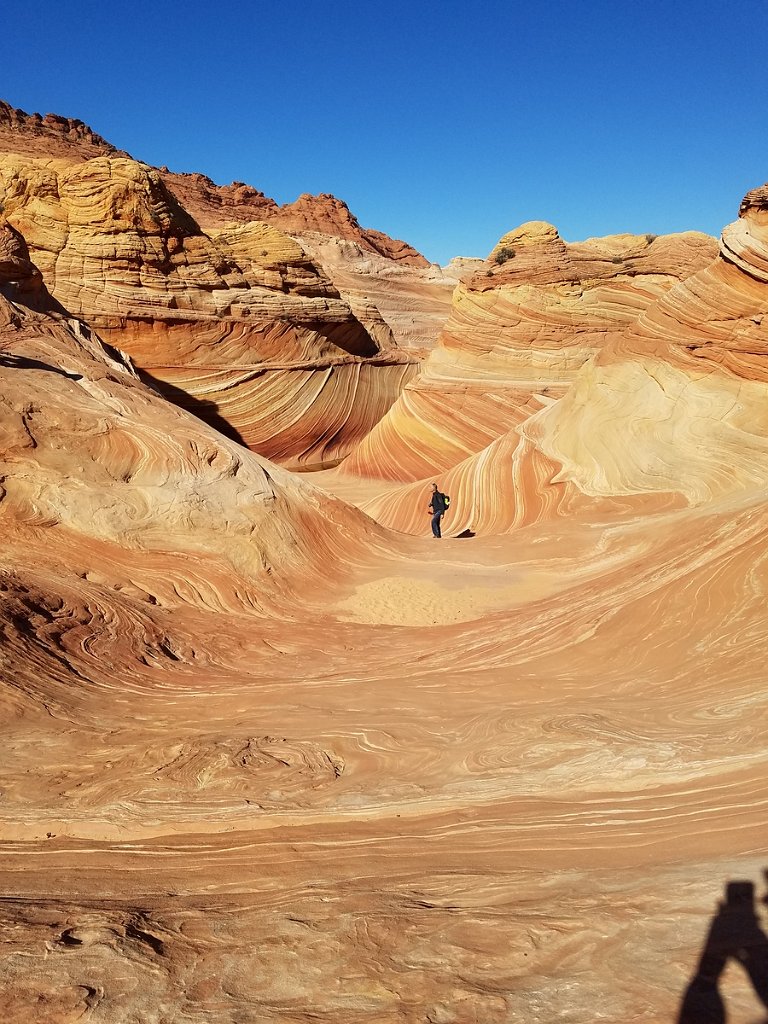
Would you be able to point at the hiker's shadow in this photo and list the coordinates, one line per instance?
(734, 933)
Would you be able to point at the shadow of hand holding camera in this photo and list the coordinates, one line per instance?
(734, 934)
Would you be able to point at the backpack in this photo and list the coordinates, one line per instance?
(447, 500)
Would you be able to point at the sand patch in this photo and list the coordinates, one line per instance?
(409, 601)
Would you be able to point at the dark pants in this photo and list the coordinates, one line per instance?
(436, 524)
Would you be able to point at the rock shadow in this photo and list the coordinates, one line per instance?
(25, 363)
(206, 411)
(734, 933)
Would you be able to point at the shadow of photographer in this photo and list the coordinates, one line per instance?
(734, 934)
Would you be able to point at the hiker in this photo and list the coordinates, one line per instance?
(438, 506)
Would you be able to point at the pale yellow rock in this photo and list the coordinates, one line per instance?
(518, 335)
(205, 315)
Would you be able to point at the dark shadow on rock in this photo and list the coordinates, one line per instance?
(33, 295)
(24, 363)
(734, 933)
(208, 412)
(465, 533)
(350, 336)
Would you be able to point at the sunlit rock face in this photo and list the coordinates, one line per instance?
(415, 301)
(370, 270)
(323, 214)
(520, 331)
(224, 320)
(50, 135)
(116, 475)
(678, 403)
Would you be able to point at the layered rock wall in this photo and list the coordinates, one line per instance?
(679, 402)
(205, 312)
(212, 298)
(519, 332)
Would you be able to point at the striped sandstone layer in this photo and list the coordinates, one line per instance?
(236, 321)
(323, 214)
(267, 761)
(369, 269)
(519, 332)
(248, 778)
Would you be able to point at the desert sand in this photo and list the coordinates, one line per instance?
(271, 753)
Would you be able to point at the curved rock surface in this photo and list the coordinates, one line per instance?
(215, 309)
(206, 315)
(214, 806)
(678, 403)
(412, 296)
(519, 332)
(323, 214)
(415, 302)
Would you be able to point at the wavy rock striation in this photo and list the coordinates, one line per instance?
(210, 317)
(678, 403)
(265, 760)
(519, 332)
(370, 270)
(213, 807)
(323, 214)
(213, 316)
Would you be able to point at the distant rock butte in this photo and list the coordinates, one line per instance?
(324, 214)
(210, 204)
(678, 403)
(50, 135)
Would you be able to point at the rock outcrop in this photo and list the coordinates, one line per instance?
(50, 135)
(323, 214)
(412, 296)
(679, 402)
(212, 317)
(225, 797)
(214, 294)
(519, 332)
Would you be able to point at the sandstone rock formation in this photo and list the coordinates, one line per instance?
(367, 267)
(519, 332)
(211, 317)
(323, 214)
(678, 403)
(223, 308)
(265, 760)
(414, 302)
(214, 806)
(50, 135)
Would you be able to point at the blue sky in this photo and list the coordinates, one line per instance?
(446, 124)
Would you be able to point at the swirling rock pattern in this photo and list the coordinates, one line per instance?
(204, 315)
(678, 403)
(414, 301)
(369, 270)
(323, 214)
(519, 332)
(238, 788)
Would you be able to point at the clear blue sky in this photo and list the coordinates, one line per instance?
(445, 124)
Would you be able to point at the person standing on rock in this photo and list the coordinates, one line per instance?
(438, 506)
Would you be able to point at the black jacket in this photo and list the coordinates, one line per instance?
(438, 503)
